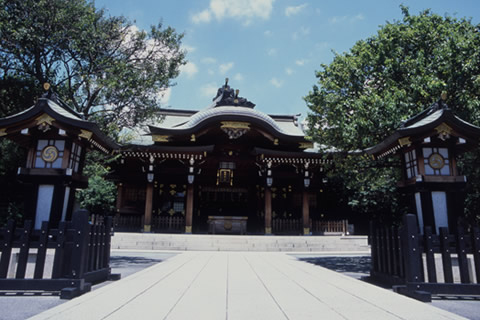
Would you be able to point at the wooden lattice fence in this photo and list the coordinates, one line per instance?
(79, 249)
(419, 265)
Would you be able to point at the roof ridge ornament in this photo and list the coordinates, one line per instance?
(436, 106)
(226, 96)
(53, 96)
(49, 94)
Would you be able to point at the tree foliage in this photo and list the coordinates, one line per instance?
(99, 197)
(365, 93)
(101, 65)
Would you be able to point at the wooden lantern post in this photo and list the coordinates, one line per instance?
(428, 145)
(56, 138)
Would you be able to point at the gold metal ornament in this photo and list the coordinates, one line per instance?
(50, 154)
(436, 161)
(405, 141)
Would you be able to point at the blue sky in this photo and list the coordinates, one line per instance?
(269, 49)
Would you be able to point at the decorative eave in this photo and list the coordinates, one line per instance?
(441, 122)
(47, 112)
(164, 152)
(288, 157)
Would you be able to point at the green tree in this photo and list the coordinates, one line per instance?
(99, 197)
(365, 93)
(101, 65)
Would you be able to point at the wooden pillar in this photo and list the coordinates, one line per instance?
(306, 212)
(147, 223)
(268, 211)
(189, 209)
(119, 202)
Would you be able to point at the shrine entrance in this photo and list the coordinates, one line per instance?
(242, 203)
(228, 187)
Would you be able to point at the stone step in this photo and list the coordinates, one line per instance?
(182, 242)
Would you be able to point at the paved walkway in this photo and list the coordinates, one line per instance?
(241, 285)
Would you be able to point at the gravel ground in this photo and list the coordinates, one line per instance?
(359, 266)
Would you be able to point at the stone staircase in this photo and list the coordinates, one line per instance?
(196, 242)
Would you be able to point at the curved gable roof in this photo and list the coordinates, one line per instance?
(231, 113)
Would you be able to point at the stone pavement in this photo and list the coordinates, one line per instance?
(241, 285)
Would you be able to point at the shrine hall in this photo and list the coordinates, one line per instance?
(228, 168)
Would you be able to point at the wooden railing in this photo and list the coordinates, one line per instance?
(325, 227)
(128, 223)
(168, 224)
(413, 263)
(80, 252)
(287, 226)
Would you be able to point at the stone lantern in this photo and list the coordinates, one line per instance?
(429, 144)
(56, 138)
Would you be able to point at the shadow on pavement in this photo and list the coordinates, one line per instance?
(117, 261)
(356, 264)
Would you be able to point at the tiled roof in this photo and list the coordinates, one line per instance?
(185, 121)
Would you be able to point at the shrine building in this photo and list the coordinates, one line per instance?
(228, 168)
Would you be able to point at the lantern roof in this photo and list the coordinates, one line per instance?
(438, 120)
(50, 112)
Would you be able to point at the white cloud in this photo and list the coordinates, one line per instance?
(203, 16)
(189, 69)
(301, 62)
(272, 52)
(358, 17)
(244, 10)
(165, 96)
(276, 82)
(267, 33)
(153, 48)
(209, 60)
(211, 72)
(322, 45)
(337, 19)
(209, 90)
(238, 77)
(188, 48)
(293, 10)
(289, 71)
(304, 31)
(224, 67)
(349, 19)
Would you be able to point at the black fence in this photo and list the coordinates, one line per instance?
(329, 227)
(419, 265)
(287, 226)
(135, 223)
(128, 223)
(168, 224)
(80, 251)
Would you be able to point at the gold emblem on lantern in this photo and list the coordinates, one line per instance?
(436, 161)
(50, 154)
